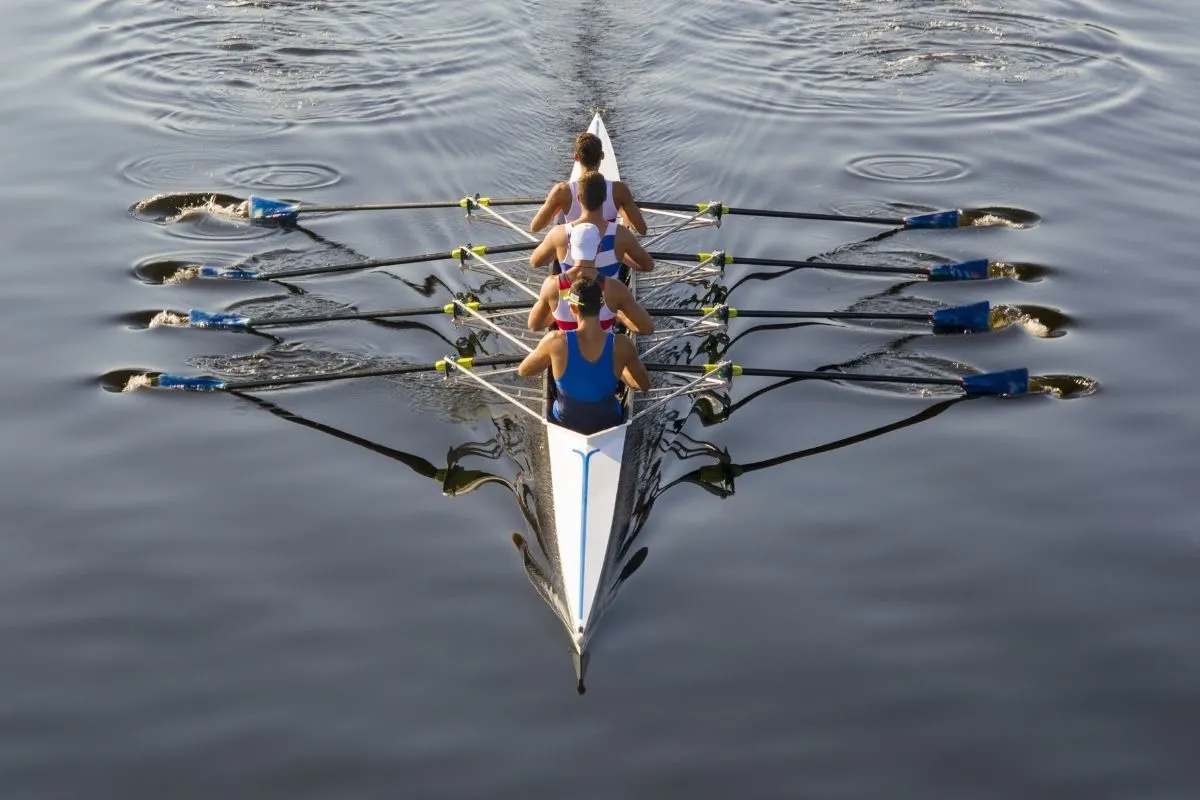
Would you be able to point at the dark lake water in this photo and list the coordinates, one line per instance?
(895, 597)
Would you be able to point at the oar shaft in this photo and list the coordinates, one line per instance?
(387, 313)
(770, 314)
(327, 376)
(210, 384)
(331, 269)
(766, 372)
(794, 264)
(506, 201)
(773, 212)
(1010, 382)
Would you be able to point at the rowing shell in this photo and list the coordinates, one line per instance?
(586, 486)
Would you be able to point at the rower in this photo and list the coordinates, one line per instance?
(588, 364)
(563, 197)
(617, 243)
(619, 304)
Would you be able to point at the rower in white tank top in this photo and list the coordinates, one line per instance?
(576, 210)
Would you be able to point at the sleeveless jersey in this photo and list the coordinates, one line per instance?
(606, 256)
(562, 312)
(586, 402)
(576, 210)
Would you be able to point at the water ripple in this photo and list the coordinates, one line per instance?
(905, 58)
(253, 69)
(908, 168)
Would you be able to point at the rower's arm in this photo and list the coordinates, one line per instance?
(623, 199)
(537, 361)
(542, 313)
(546, 251)
(635, 255)
(551, 206)
(629, 311)
(633, 372)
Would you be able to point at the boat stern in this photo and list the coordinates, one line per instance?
(585, 471)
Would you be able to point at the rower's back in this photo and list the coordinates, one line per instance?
(585, 366)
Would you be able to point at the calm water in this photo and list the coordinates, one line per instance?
(199, 598)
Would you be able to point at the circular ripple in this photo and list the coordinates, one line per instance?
(294, 176)
(248, 70)
(181, 168)
(901, 58)
(907, 168)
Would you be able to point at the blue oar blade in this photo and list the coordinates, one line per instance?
(1006, 382)
(189, 383)
(973, 270)
(264, 209)
(975, 318)
(219, 320)
(229, 273)
(938, 219)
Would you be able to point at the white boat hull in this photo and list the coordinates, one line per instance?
(585, 475)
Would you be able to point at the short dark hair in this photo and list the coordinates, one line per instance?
(588, 295)
(593, 189)
(589, 150)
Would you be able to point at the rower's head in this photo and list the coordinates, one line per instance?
(593, 191)
(586, 297)
(584, 244)
(589, 151)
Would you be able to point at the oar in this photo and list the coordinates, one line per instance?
(206, 383)
(236, 322)
(1009, 382)
(238, 274)
(938, 219)
(975, 317)
(264, 209)
(973, 270)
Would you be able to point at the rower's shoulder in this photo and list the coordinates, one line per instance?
(624, 346)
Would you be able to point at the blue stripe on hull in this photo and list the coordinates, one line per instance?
(587, 458)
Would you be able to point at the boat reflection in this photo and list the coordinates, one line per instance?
(718, 475)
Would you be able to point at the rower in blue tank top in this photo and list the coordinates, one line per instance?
(587, 365)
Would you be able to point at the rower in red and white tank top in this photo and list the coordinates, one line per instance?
(610, 207)
(584, 248)
(562, 312)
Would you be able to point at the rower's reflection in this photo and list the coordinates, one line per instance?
(718, 475)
